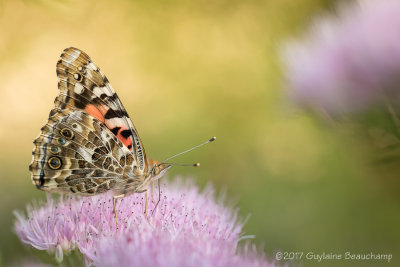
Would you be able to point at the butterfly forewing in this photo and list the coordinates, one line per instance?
(83, 86)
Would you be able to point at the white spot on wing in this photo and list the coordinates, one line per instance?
(92, 66)
(113, 106)
(98, 91)
(77, 128)
(116, 122)
(73, 55)
(109, 89)
(78, 89)
(85, 154)
(104, 135)
(119, 154)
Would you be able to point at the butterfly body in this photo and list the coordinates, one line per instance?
(89, 145)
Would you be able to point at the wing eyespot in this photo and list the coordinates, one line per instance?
(54, 163)
(78, 77)
(62, 141)
(67, 133)
(82, 69)
(54, 149)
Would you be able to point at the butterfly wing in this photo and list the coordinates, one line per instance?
(77, 153)
(82, 86)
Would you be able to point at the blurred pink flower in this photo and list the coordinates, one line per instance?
(349, 61)
(28, 263)
(188, 228)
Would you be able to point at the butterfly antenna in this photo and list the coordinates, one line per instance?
(180, 164)
(196, 164)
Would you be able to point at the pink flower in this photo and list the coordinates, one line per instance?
(28, 263)
(347, 62)
(188, 228)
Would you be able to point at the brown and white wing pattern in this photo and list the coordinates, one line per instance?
(83, 86)
(76, 153)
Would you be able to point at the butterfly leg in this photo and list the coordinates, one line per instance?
(114, 209)
(145, 207)
(159, 197)
(152, 190)
(147, 196)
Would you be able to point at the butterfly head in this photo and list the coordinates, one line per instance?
(157, 169)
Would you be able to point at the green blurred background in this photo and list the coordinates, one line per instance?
(186, 71)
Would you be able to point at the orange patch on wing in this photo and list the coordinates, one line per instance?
(103, 109)
(125, 141)
(95, 112)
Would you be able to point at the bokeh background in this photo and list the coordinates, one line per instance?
(187, 71)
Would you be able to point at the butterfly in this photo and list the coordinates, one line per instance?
(89, 144)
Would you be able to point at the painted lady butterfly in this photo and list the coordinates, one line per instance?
(89, 145)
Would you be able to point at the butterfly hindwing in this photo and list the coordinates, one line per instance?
(75, 152)
(83, 86)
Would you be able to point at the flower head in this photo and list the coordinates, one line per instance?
(349, 61)
(188, 228)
